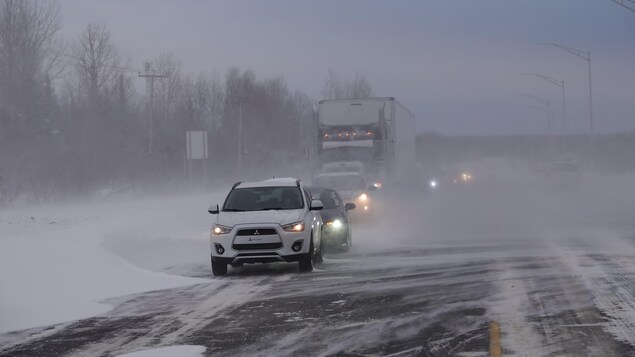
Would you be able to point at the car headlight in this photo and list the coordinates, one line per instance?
(433, 183)
(336, 223)
(218, 229)
(363, 197)
(294, 227)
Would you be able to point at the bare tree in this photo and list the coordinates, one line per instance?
(169, 127)
(91, 134)
(193, 103)
(332, 87)
(28, 32)
(335, 88)
(28, 57)
(95, 61)
(167, 89)
(217, 98)
(359, 87)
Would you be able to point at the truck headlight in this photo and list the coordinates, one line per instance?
(294, 227)
(218, 229)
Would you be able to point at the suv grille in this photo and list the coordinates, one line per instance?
(256, 232)
(257, 246)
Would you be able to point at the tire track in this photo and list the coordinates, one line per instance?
(612, 281)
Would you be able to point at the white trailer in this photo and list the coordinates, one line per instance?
(378, 132)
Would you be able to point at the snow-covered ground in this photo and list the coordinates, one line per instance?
(57, 263)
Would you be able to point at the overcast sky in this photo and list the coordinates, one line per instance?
(456, 64)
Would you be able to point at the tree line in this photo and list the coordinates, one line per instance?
(72, 120)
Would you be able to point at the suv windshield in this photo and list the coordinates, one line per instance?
(263, 198)
(341, 182)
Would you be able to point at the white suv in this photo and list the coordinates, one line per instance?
(266, 221)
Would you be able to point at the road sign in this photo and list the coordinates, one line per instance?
(196, 142)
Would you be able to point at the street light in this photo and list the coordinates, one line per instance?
(561, 85)
(543, 101)
(547, 103)
(585, 55)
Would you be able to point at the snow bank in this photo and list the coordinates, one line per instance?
(55, 267)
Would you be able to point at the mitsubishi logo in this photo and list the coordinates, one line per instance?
(256, 233)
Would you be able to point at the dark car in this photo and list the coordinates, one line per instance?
(335, 215)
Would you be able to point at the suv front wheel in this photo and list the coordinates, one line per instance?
(218, 269)
(319, 256)
(306, 260)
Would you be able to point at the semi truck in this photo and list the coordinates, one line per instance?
(373, 136)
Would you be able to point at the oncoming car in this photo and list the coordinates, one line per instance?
(268, 221)
(351, 186)
(337, 230)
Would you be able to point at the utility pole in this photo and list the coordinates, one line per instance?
(149, 74)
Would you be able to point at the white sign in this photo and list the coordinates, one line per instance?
(196, 143)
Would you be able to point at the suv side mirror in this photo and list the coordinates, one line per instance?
(349, 206)
(213, 209)
(316, 205)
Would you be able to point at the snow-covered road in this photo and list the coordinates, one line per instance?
(554, 273)
(423, 301)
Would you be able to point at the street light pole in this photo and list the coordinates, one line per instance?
(559, 83)
(544, 101)
(585, 55)
(547, 103)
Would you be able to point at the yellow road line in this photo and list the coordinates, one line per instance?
(495, 349)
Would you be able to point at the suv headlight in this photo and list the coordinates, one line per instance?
(294, 227)
(218, 229)
(363, 197)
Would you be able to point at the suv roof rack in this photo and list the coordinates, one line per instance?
(236, 184)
